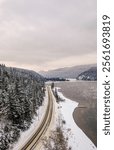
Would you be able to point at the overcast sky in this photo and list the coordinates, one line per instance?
(47, 34)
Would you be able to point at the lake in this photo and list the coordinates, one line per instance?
(85, 115)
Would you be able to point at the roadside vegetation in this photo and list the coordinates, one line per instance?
(58, 140)
(55, 92)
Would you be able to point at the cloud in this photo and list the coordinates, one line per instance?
(37, 32)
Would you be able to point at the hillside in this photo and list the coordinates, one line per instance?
(21, 94)
(67, 72)
(90, 74)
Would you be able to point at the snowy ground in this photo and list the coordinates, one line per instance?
(34, 126)
(77, 138)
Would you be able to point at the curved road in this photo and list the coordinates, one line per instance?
(31, 143)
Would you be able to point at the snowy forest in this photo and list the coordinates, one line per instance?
(89, 75)
(21, 94)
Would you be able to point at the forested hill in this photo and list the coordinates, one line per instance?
(21, 94)
(90, 74)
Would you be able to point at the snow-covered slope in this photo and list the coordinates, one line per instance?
(67, 72)
(21, 95)
(90, 74)
(26, 135)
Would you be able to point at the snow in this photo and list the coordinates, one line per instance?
(77, 138)
(25, 136)
(71, 79)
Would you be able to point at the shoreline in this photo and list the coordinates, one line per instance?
(87, 131)
(77, 138)
(87, 105)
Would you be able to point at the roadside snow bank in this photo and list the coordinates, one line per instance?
(77, 138)
(25, 136)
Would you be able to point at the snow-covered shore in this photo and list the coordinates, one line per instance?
(77, 138)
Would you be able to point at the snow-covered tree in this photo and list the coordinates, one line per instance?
(21, 94)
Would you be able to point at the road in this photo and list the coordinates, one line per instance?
(34, 140)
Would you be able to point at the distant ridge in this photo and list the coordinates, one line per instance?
(67, 72)
(90, 74)
(26, 71)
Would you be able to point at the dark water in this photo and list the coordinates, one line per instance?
(85, 93)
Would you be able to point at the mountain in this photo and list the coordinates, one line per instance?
(67, 72)
(90, 74)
